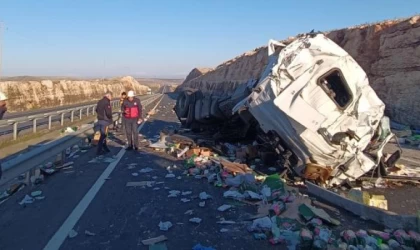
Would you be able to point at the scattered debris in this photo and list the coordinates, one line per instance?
(364, 197)
(233, 194)
(224, 208)
(202, 204)
(185, 200)
(68, 164)
(189, 212)
(186, 193)
(195, 220)
(224, 230)
(155, 240)
(109, 159)
(26, 200)
(135, 174)
(204, 196)
(88, 233)
(36, 193)
(140, 183)
(164, 226)
(72, 234)
(174, 193)
(146, 170)
(226, 222)
(170, 176)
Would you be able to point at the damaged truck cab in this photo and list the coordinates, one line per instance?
(313, 104)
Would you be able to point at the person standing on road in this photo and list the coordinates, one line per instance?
(132, 111)
(104, 115)
(3, 109)
(122, 98)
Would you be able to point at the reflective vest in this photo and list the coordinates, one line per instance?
(132, 112)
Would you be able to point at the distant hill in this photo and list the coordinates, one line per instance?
(37, 78)
(146, 81)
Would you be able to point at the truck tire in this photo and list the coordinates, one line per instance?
(181, 108)
(190, 118)
(205, 108)
(214, 108)
(197, 109)
(184, 100)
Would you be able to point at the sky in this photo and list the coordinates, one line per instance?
(162, 38)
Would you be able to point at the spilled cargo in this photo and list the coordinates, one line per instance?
(312, 104)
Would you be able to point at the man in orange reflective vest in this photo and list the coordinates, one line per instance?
(132, 112)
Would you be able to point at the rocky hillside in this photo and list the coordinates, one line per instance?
(388, 51)
(196, 72)
(25, 95)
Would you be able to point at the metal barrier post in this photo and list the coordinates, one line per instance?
(62, 119)
(15, 130)
(80, 115)
(72, 116)
(34, 125)
(49, 122)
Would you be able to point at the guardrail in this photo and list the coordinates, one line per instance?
(90, 110)
(39, 155)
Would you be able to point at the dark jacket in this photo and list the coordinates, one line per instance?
(3, 110)
(122, 100)
(104, 110)
(132, 110)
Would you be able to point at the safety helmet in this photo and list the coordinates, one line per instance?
(130, 93)
(3, 96)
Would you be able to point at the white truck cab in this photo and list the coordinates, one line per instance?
(317, 102)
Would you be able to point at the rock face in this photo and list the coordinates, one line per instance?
(196, 72)
(388, 51)
(25, 95)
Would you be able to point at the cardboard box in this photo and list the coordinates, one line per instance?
(378, 201)
(205, 152)
(364, 197)
(193, 151)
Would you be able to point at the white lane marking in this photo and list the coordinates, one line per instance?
(60, 236)
(62, 233)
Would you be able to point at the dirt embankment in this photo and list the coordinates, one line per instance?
(26, 95)
(388, 51)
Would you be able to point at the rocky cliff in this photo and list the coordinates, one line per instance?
(388, 51)
(25, 95)
(196, 72)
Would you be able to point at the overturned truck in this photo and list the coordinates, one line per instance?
(312, 104)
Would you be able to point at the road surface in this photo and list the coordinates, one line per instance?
(119, 216)
(93, 197)
(26, 127)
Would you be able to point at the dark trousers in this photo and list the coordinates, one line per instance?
(102, 140)
(131, 132)
(122, 123)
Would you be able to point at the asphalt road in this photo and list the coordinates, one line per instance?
(120, 216)
(42, 123)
